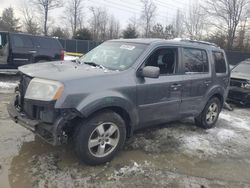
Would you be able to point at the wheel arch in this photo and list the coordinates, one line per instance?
(219, 96)
(216, 91)
(121, 112)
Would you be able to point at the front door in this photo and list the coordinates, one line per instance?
(158, 99)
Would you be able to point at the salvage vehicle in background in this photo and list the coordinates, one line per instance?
(120, 86)
(17, 49)
(240, 83)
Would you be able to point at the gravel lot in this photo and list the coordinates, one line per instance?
(177, 154)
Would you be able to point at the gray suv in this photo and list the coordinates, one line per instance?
(120, 86)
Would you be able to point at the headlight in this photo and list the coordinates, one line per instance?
(246, 85)
(44, 90)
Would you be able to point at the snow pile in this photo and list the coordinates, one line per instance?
(223, 135)
(235, 121)
(8, 85)
(135, 168)
(46, 172)
(68, 57)
(184, 137)
(197, 145)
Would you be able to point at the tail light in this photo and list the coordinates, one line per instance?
(62, 55)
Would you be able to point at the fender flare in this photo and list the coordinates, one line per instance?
(96, 102)
(216, 90)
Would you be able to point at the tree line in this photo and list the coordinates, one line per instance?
(224, 22)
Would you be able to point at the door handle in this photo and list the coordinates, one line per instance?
(175, 86)
(207, 82)
(32, 51)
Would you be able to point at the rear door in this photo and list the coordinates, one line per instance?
(221, 69)
(23, 49)
(197, 77)
(48, 48)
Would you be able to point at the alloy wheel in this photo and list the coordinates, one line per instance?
(104, 139)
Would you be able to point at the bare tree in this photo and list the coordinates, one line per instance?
(45, 6)
(29, 20)
(98, 23)
(177, 27)
(242, 34)
(195, 21)
(229, 12)
(133, 22)
(147, 15)
(113, 28)
(74, 14)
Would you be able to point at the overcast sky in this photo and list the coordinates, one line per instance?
(121, 9)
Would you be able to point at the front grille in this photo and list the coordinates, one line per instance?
(237, 82)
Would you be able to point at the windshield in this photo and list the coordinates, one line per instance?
(242, 68)
(114, 55)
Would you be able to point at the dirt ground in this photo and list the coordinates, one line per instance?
(177, 154)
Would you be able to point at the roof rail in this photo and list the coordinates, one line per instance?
(196, 41)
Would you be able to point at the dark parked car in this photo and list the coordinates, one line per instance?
(240, 84)
(118, 87)
(18, 49)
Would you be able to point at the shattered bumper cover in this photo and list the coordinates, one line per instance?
(239, 95)
(51, 133)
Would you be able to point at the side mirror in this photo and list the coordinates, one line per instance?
(150, 72)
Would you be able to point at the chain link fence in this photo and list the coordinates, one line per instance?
(78, 46)
(235, 57)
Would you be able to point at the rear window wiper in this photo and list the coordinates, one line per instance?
(95, 65)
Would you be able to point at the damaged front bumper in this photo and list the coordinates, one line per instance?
(51, 133)
(239, 95)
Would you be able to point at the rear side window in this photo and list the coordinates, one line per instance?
(220, 62)
(22, 41)
(48, 43)
(195, 60)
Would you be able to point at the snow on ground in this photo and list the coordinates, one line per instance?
(236, 122)
(226, 138)
(8, 85)
(68, 57)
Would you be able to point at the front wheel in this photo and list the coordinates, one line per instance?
(209, 116)
(100, 137)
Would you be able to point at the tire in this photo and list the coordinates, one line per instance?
(93, 144)
(209, 116)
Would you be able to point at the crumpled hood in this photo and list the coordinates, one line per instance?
(62, 70)
(240, 75)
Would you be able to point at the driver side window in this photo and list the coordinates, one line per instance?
(165, 59)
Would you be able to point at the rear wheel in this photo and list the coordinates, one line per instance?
(209, 116)
(100, 137)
